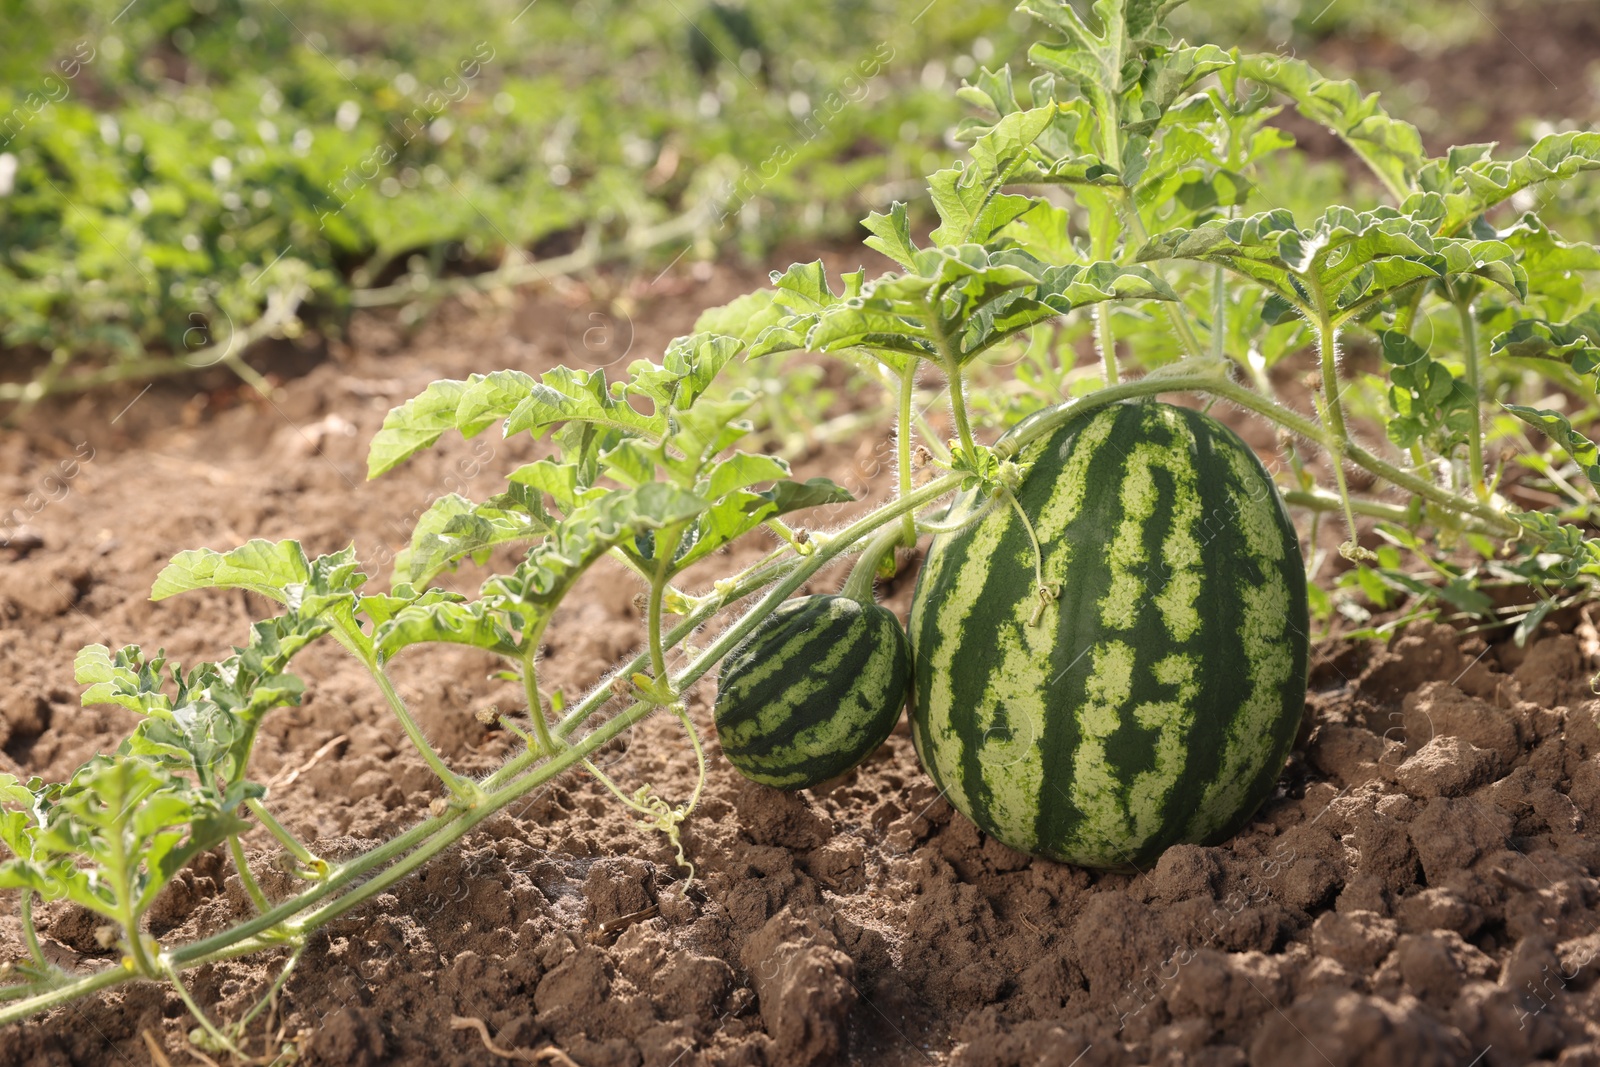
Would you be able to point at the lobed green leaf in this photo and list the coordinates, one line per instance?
(1392, 148)
(1555, 426)
(1466, 182)
(479, 624)
(258, 566)
(415, 425)
(1576, 341)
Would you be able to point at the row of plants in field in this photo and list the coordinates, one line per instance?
(1108, 640)
(174, 179)
(182, 183)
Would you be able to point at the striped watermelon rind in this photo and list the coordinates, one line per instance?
(1155, 701)
(814, 689)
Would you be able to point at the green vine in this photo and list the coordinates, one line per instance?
(645, 469)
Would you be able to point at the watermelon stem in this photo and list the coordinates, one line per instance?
(1177, 314)
(247, 877)
(1107, 342)
(463, 789)
(530, 689)
(799, 540)
(315, 868)
(1043, 422)
(667, 547)
(958, 409)
(1469, 342)
(1219, 312)
(1318, 501)
(960, 524)
(1351, 549)
(908, 384)
(951, 359)
(1331, 413)
(1046, 593)
(858, 586)
(1328, 356)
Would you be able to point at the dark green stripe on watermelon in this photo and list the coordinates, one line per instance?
(812, 691)
(1156, 699)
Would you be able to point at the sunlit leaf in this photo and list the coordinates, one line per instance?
(1576, 341)
(454, 528)
(1393, 149)
(968, 198)
(687, 368)
(1468, 182)
(415, 425)
(564, 395)
(891, 235)
(259, 566)
(475, 624)
(1555, 426)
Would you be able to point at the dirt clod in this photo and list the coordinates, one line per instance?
(1350, 1030)
(1446, 766)
(805, 988)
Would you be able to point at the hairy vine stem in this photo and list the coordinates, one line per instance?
(317, 866)
(1044, 422)
(1177, 314)
(242, 865)
(858, 586)
(457, 785)
(1106, 341)
(349, 885)
(530, 689)
(30, 934)
(666, 546)
(908, 385)
(1469, 345)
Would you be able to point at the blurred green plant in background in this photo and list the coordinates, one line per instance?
(168, 169)
(179, 178)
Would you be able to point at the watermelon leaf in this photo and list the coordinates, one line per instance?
(480, 625)
(1390, 147)
(415, 425)
(258, 566)
(454, 528)
(1467, 182)
(1555, 426)
(891, 235)
(1576, 342)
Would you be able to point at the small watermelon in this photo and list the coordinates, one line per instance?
(812, 691)
(1155, 700)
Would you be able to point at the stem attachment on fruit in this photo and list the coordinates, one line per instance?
(1046, 593)
(858, 586)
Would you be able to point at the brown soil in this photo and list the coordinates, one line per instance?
(1531, 60)
(1421, 890)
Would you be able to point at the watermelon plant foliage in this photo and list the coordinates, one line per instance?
(1115, 185)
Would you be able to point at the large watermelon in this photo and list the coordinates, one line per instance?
(1155, 701)
(814, 689)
